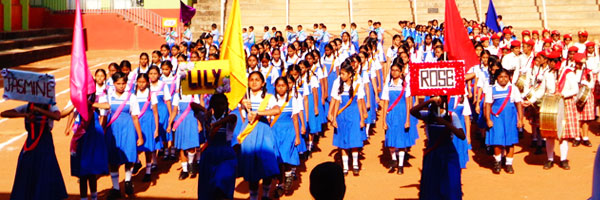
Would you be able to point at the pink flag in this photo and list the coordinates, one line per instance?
(81, 79)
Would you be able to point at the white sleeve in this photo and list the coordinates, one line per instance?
(365, 78)
(360, 94)
(314, 82)
(153, 98)
(272, 102)
(489, 98)
(467, 108)
(407, 88)
(390, 53)
(134, 107)
(385, 92)
(515, 95)
(176, 100)
(195, 98)
(54, 108)
(297, 105)
(306, 89)
(334, 90)
(166, 93)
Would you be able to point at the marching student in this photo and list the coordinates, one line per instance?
(291, 57)
(143, 64)
(269, 71)
(162, 90)
(38, 175)
(441, 174)
(156, 58)
(312, 107)
(170, 80)
(171, 37)
(347, 97)
(186, 129)
(511, 61)
(459, 104)
(586, 112)
(397, 120)
(368, 72)
(354, 36)
(148, 118)
(101, 92)
(502, 104)
(258, 156)
(123, 133)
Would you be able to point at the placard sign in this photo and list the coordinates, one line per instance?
(437, 78)
(169, 22)
(207, 77)
(28, 86)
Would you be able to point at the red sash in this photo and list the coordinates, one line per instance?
(506, 100)
(146, 105)
(32, 126)
(173, 87)
(397, 98)
(183, 115)
(563, 79)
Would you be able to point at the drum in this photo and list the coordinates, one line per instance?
(582, 95)
(552, 113)
(530, 94)
(521, 82)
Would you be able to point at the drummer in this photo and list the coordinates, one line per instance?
(536, 82)
(586, 112)
(511, 61)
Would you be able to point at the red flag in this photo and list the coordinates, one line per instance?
(457, 43)
(81, 79)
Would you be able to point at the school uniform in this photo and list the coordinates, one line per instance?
(503, 114)
(284, 131)
(321, 74)
(347, 48)
(313, 123)
(298, 92)
(121, 136)
(271, 74)
(330, 65)
(146, 100)
(568, 87)
(325, 36)
(101, 92)
(294, 59)
(587, 112)
(392, 53)
(425, 53)
(348, 134)
(186, 135)
(162, 91)
(369, 71)
(267, 36)
(354, 39)
(441, 174)
(216, 35)
(170, 38)
(291, 37)
(258, 157)
(218, 164)
(526, 63)
(397, 94)
(38, 174)
(188, 34)
(483, 82)
(301, 35)
(511, 62)
(460, 106)
(494, 50)
(89, 155)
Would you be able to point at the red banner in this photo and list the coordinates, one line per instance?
(437, 78)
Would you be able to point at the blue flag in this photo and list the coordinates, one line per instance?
(491, 18)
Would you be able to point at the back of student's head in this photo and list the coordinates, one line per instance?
(327, 182)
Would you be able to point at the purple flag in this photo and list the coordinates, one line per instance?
(81, 81)
(186, 13)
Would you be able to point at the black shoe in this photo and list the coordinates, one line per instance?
(489, 150)
(288, 183)
(183, 175)
(154, 167)
(114, 194)
(355, 172)
(533, 144)
(587, 143)
(565, 165)
(392, 165)
(193, 168)
(147, 178)
(128, 188)
(345, 172)
(400, 170)
(543, 143)
(295, 175)
(161, 152)
(548, 164)
(509, 169)
(538, 151)
(136, 168)
(576, 143)
(497, 168)
(279, 191)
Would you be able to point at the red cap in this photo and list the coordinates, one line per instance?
(496, 36)
(554, 54)
(590, 44)
(548, 40)
(506, 31)
(568, 36)
(541, 53)
(583, 33)
(555, 32)
(535, 32)
(504, 47)
(530, 42)
(515, 43)
(484, 38)
(525, 32)
(579, 57)
(573, 48)
(545, 31)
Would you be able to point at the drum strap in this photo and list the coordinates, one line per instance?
(563, 79)
(397, 98)
(506, 100)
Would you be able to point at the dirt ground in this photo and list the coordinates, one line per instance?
(530, 181)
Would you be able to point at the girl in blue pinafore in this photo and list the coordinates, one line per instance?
(170, 82)
(149, 122)
(218, 163)
(395, 95)
(329, 63)
(503, 114)
(38, 175)
(460, 106)
(269, 71)
(297, 90)
(123, 133)
(186, 131)
(368, 75)
(163, 106)
(258, 158)
(316, 72)
(441, 174)
(286, 131)
(348, 118)
(309, 83)
(323, 84)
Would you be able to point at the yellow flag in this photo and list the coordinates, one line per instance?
(232, 49)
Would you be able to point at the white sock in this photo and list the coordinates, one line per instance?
(345, 162)
(509, 161)
(586, 138)
(564, 149)
(128, 174)
(184, 166)
(288, 174)
(578, 139)
(393, 154)
(114, 176)
(401, 158)
(550, 149)
(355, 160)
(148, 168)
(498, 158)
(83, 198)
(94, 196)
(191, 157)
(367, 129)
(310, 145)
(253, 195)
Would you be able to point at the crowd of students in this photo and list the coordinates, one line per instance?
(300, 86)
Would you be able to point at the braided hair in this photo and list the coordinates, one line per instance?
(346, 66)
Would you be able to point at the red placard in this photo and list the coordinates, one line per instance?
(437, 78)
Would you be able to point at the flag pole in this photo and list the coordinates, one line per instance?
(222, 16)
(545, 16)
(480, 18)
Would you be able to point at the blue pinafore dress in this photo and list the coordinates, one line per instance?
(462, 146)
(121, 136)
(186, 136)
(396, 135)
(314, 122)
(349, 134)
(163, 116)
(148, 126)
(284, 133)
(91, 155)
(504, 132)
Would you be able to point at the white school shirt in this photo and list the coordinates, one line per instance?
(134, 107)
(538, 79)
(170, 37)
(245, 37)
(392, 53)
(348, 48)
(581, 48)
(185, 99)
(593, 63)
(165, 90)
(515, 96)
(256, 100)
(325, 37)
(293, 60)
(187, 33)
(274, 74)
(301, 36)
(581, 80)
(493, 50)
(216, 35)
(307, 87)
(465, 103)
(297, 104)
(143, 97)
(539, 45)
(50, 122)
(267, 36)
(319, 71)
(251, 38)
(391, 86)
(101, 92)
(354, 36)
(359, 90)
(511, 62)
(571, 87)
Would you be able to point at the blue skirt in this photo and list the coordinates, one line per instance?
(303, 137)
(163, 121)
(462, 146)
(121, 140)
(217, 171)
(285, 136)
(91, 155)
(148, 126)
(441, 174)
(258, 158)
(396, 136)
(373, 110)
(504, 132)
(322, 111)
(356, 47)
(238, 126)
(314, 122)
(349, 134)
(413, 131)
(38, 175)
(187, 135)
